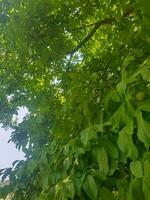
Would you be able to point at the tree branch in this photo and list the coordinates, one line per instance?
(85, 26)
(95, 28)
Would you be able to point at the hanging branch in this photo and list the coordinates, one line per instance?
(106, 21)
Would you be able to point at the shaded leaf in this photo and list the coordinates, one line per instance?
(135, 190)
(146, 178)
(143, 129)
(110, 148)
(85, 136)
(105, 194)
(90, 187)
(69, 189)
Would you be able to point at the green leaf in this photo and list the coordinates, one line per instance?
(90, 187)
(143, 129)
(146, 179)
(59, 193)
(106, 101)
(146, 74)
(31, 166)
(146, 155)
(118, 117)
(69, 189)
(77, 184)
(126, 145)
(6, 173)
(138, 52)
(98, 127)
(85, 109)
(121, 88)
(105, 194)
(102, 159)
(51, 193)
(145, 6)
(145, 106)
(4, 191)
(15, 162)
(110, 148)
(45, 181)
(122, 188)
(127, 60)
(115, 96)
(43, 196)
(66, 163)
(145, 70)
(78, 68)
(135, 190)
(128, 128)
(85, 136)
(113, 165)
(136, 169)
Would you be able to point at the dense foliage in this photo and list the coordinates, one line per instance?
(82, 68)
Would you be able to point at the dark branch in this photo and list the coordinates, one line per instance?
(95, 28)
(81, 27)
(93, 31)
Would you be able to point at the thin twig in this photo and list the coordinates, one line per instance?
(85, 26)
(93, 31)
(95, 28)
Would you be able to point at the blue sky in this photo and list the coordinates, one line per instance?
(8, 152)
